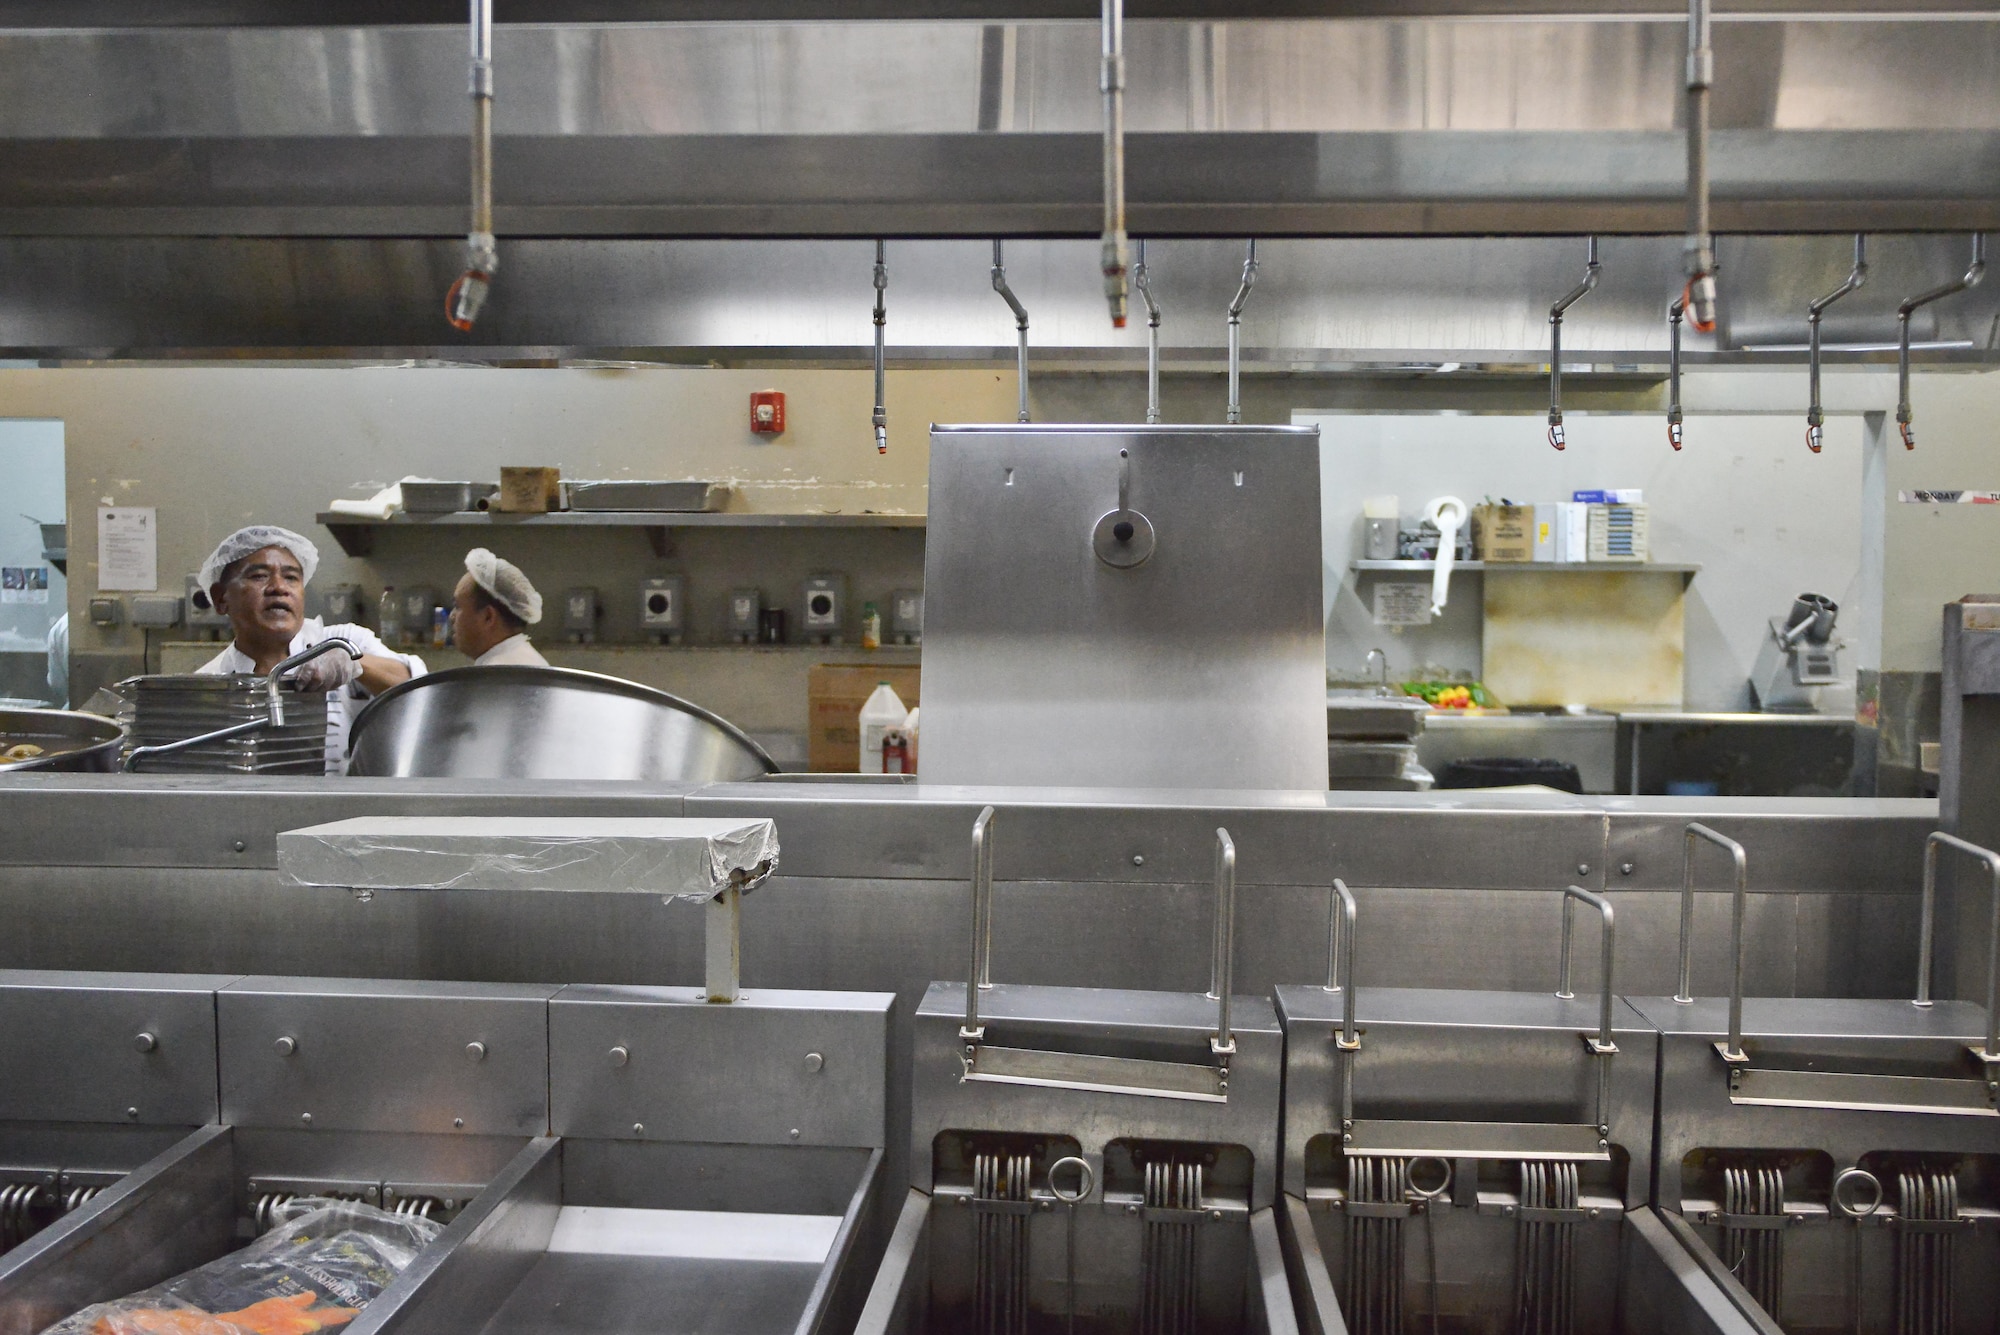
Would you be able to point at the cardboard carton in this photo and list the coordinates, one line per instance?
(835, 693)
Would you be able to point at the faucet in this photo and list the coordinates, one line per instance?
(1381, 670)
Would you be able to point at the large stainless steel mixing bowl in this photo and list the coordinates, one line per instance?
(69, 741)
(545, 723)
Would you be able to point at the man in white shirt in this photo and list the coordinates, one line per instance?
(257, 577)
(491, 608)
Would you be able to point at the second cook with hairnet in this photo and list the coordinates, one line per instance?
(491, 608)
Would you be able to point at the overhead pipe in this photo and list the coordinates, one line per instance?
(1575, 294)
(482, 254)
(1815, 419)
(1235, 413)
(1971, 279)
(1698, 297)
(1140, 281)
(1111, 82)
(881, 368)
(1674, 314)
(1020, 326)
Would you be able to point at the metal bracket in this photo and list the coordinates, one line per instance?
(1105, 1075)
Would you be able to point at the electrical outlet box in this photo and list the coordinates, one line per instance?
(825, 603)
(746, 606)
(662, 607)
(420, 603)
(579, 616)
(106, 611)
(906, 616)
(156, 611)
(201, 614)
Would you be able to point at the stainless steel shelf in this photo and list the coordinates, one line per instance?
(356, 533)
(1532, 567)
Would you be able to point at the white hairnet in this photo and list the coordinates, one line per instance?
(255, 538)
(504, 580)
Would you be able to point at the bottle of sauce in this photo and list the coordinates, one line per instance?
(389, 617)
(871, 627)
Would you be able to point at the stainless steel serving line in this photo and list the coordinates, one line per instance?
(1834, 1162)
(1103, 1156)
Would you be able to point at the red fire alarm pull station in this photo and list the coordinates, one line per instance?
(767, 412)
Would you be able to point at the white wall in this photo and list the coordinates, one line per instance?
(1745, 500)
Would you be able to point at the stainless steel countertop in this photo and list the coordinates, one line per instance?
(1702, 716)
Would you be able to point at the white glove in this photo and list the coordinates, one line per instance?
(331, 671)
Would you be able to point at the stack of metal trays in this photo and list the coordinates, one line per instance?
(1370, 743)
(172, 708)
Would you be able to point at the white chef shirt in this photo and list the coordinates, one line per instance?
(514, 651)
(342, 705)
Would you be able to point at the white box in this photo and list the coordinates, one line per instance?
(1546, 527)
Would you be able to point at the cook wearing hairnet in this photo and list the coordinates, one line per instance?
(491, 607)
(257, 578)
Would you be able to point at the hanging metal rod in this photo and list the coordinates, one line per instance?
(1570, 298)
(1235, 413)
(482, 254)
(1020, 326)
(1141, 280)
(1698, 296)
(1111, 81)
(881, 418)
(1815, 419)
(1674, 315)
(1970, 280)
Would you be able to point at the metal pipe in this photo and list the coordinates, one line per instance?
(274, 707)
(1224, 957)
(1741, 862)
(482, 255)
(1991, 861)
(1140, 281)
(1674, 313)
(1575, 294)
(1340, 956)
(1235, 413)
(982, 924)
(1699, 294)
(1111, 82)
(1020, 326)
(1971, 279)
(1603, 906)
(1815, 419)
(881, 418)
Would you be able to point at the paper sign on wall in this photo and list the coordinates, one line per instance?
(128, 548)
(1398, 604)
(24, 584)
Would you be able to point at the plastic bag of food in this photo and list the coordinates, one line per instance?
(320, 1264)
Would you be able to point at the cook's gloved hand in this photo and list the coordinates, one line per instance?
(331, 671)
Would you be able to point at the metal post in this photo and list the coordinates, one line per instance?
(1699, 258)
(881, 418)
(1991, 861)
(982, 923)
(1674, 313)
(1340, 957)
(723, 922)
(1606, 948)
(1971, 279)
(1235, 413)
(1140, 280)
(1575, 294)
(1224, 957)
(1741, 862)
(1815, 419)
(1111, 82)
(1020, 326)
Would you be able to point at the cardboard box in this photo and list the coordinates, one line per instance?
(1503, 533)
(835, 693)
(530, 491)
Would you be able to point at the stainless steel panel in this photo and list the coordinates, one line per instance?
(775, 1068)
(1203, 667)
(654, 1174)
(174, 1213)
(545, 724)
(1667, 1291)
(353, 1055)
(1872, 846)
(110, 1047)
(1588, 741)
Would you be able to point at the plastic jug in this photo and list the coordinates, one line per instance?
(884, 713)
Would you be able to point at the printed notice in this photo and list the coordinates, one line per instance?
(1402, 604)
(24, 584)
(128, 548)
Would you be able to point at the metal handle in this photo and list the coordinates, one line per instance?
(978, 975)
(1223, 974)
(1340, 953)
(1741, 860)
(141, 753)
(1991, 860)
(1603, 906)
